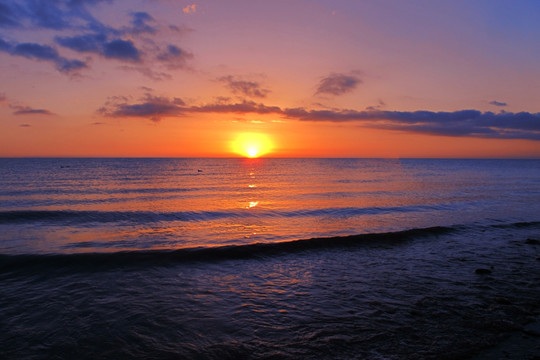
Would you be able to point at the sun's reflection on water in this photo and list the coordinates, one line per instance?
(252, 204)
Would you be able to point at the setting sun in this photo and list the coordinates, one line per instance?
(252, 145)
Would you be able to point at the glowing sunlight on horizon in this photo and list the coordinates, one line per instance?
(252, 145)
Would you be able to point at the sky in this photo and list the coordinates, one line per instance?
(294, 78)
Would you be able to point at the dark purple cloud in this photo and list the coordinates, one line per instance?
(498, 103)
(42, 53)
(151, 107)
(245, 88)
(51, 14)
(174, 57)
(88, 35)
(521, 125)
(25, 110)
(31, 50)
(140, 23)
(239, 108)
(121, 49)
(92, 43)
(474, 123)
(97, 43)
(337, 84)
(5, 46)
(9, 14)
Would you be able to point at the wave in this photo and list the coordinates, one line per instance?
(62, 217)
(141, 258)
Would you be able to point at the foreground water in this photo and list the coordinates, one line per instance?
(152, 258)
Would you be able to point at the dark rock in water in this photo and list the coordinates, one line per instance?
(532, 241)
(482, 271)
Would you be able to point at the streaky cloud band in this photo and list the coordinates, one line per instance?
(474, 123)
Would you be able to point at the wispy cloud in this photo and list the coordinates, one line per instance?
(498, 103)
(474, 123)
(141, 23)
(150, 107)
(243, 87)
(337, 84)
(26, 110)
(174, 57)
(42, 53)
(20, 109)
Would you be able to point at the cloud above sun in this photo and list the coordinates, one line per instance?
(474, 123)
(243, 87)
(338, 84)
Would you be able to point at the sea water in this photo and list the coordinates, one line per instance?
(266, 258)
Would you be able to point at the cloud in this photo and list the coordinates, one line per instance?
(92, 43)
(174, 57)
(238, 108)
(5, 46)
(140, 23)
(155, 108)
(473, 123)
(121, 49)
(88, 35)
(190, 9)
(151, 107)
(21, 109)
(8, 15)
(42, 53)
(337, 84)
(246, 88)
(381, 104)
(25, 110)
(97, 43)
(54, 14)
(498, 103)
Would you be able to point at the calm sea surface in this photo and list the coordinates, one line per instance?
(103, 205)
(266, 258)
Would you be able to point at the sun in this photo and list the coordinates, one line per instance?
(252, 145)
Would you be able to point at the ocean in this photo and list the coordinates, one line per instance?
(266, 258)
